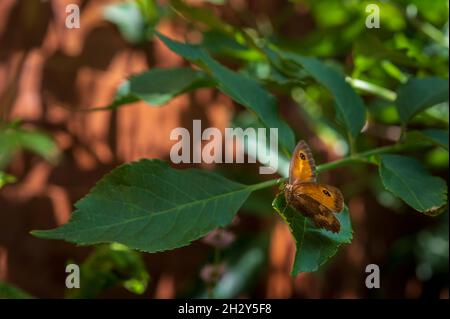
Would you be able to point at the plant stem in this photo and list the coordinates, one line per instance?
(359, 157)
(372, 88)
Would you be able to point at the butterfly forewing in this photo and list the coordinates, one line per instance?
(302, 167)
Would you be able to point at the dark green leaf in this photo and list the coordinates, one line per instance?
(159, 86)
(239, 87)
(406, 178)
(438, 137)
(219, 43)
(348, 104)
(9, 291)
(148, 205)
(314, 246)
(418, 94)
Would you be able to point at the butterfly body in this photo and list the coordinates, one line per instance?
(314, 200)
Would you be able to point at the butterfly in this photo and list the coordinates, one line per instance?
(317, 201)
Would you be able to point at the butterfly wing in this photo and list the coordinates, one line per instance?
(327, 221)
(316, 201)
(302, 167)
(328, 196)
(307, 199)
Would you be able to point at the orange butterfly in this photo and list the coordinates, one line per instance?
(313, 200)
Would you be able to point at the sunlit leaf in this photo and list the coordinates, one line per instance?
(134, 19)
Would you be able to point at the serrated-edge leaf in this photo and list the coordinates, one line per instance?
(419, 94)
(239, 87)
(304, 233)
(185, 204)
(348, 104)
(411, 184)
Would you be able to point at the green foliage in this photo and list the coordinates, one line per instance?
(14, 138)
(400, 68)
(154, 207)
(8, 291)
(240, 88)
(348, 103)
(109, 266)
(159, 86)
(314, 246)
(135, 20)
(418, 94)
(406, 178)
(244, 261)
(6, 179)
(435, 136)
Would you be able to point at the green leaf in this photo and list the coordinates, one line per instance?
(222, 44)
(419, 94)
(371, 46)
(348, 104)
(239, 87)
(159, 86)
(149, 206)
(314, 246)
(406, 178)
(109, 266)
(437, 137)
(200, 15)
(13, 139)
(6, 179)
(9, 291)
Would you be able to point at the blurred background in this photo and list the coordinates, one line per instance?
(53, 150)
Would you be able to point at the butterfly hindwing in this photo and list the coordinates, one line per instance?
(310, 207)
(302, 167)
(327, 221)
(328, 196)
